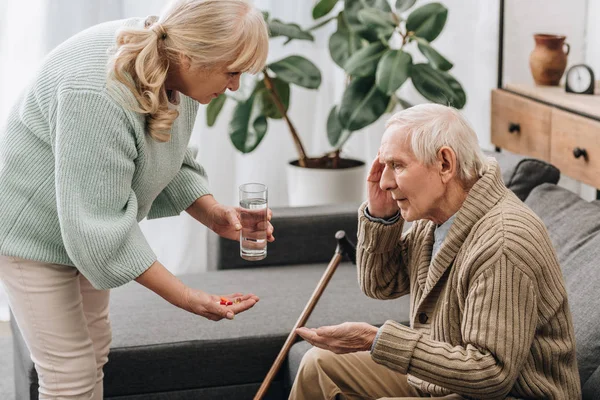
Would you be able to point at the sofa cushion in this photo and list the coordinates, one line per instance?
(591, 388)
(159, 348)
(293, 362)
(574, 228)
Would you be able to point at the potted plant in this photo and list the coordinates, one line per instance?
(372, 44)
(269, 97)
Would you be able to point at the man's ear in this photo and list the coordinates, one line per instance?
(448, 166)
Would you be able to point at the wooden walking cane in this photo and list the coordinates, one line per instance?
(344, 247)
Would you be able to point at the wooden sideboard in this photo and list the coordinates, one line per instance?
(549, 124)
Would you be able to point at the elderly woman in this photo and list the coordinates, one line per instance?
(489, 315)
(96, 143)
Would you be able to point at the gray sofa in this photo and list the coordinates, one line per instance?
(160, 352)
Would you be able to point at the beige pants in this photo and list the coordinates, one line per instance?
(326, 375)
(64, 322)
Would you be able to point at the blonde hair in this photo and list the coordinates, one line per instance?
(432, 126)
(210, 33)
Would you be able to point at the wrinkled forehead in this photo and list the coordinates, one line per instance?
(395, 143)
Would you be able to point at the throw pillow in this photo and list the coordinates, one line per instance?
(521, 174)
(528, 174)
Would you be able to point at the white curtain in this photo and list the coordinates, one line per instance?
(28, 30)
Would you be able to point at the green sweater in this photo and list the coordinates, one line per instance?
(489, 315)
(78, 170)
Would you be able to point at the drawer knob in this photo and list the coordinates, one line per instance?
(579, 152)
(514, 127)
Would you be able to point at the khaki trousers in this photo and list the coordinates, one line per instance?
(64, 322)
(326, 375)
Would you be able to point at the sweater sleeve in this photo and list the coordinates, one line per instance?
(189, 184)
(498, 327)
(95, 155)
(382, 257)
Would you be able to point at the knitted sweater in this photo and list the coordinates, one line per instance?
(78, 170)
(489, 318)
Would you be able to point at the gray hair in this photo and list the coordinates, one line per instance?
(432, 126)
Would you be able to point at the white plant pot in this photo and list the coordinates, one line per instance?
(315, 186)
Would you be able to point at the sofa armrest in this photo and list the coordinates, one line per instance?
(303, 235)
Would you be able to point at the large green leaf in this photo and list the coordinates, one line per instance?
(362, 104)
(427, 21)
(343, 43)
(247, 127)
(435, 58)
(383, 5)
(460, 96)
(438, 86)
(291, 31)
(364, 62)
(214, 108)
(403, 5)
(351, 10)
(323, 7)
(334, 127)
(297, 70)
(393, 70)
(342, 22)
(265, 101)
(375, 17)
(381, 22)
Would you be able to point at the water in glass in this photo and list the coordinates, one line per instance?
(253, 239)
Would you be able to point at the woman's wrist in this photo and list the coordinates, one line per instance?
(200, 208)
(162, 282)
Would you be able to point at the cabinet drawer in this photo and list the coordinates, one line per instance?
(521, 125)
(575, 148)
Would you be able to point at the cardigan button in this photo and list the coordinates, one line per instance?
(423, 318)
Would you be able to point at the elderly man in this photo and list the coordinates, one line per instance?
(489, 315)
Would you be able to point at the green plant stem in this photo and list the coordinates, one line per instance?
(320, 24)
(336, 158)
(279, 104)
(406, 37)
(342, 143)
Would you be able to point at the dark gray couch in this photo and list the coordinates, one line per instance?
(160, 352)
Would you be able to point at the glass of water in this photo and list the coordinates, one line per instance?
(253, 238)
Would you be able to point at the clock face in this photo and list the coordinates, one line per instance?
(579, 79)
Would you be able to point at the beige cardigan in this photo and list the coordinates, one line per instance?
(489, 317)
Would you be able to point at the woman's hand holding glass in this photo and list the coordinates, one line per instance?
(225, 221)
